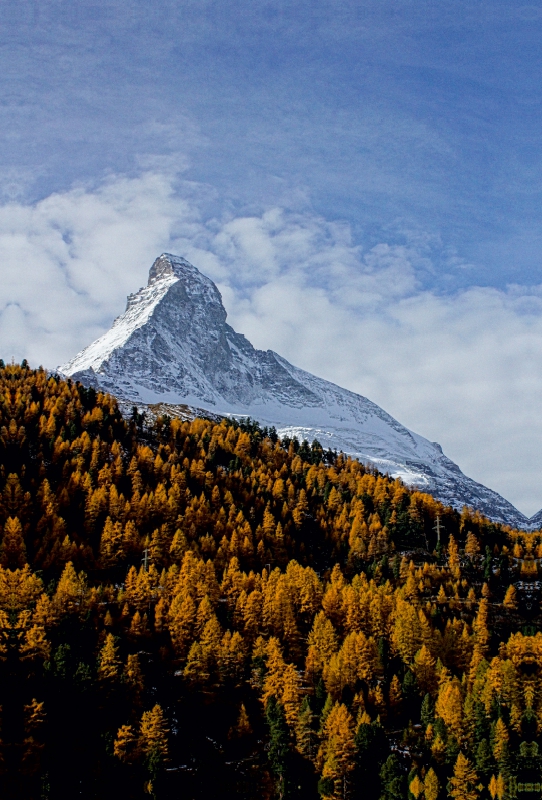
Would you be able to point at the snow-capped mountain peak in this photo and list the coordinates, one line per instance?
(173, 345)
(166, 271)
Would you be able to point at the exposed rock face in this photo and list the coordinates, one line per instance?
(173, 345)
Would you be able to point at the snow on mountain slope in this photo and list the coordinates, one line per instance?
(173, 345)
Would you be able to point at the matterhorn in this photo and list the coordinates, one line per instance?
(172, 346)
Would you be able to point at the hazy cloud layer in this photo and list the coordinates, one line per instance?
(463, 369)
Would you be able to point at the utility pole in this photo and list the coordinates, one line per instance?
(438, 529)
(145, 559)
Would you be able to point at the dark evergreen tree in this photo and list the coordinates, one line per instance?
(427, 712)
(484, 759)
(392, 779)
(278, 751)
(372, 748)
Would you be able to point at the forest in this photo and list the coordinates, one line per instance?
(200, 609)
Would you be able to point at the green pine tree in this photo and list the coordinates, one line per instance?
(427, 713)
(306, 737)
(279, 751)
(392, 779)
(372, 748)
(484, 759)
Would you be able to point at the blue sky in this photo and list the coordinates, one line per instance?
(374, 160)
(404, 118)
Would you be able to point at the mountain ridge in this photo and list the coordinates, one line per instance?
(173, 345)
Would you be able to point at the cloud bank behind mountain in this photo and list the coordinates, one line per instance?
(463, 368)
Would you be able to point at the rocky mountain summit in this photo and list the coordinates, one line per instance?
(173, 345)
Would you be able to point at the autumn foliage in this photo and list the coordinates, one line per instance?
(201, 609)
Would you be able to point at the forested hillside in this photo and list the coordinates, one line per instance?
(200, 610)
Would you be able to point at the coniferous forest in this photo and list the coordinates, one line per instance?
(199, 609)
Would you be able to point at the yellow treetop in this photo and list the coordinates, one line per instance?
(154, 732)
(110, 664)
(464, 783)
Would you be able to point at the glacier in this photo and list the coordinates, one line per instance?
(173, 345)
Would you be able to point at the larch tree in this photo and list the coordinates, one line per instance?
(431, 786)
(154, 739)
(464, 782)
(336, 755)
(510, 599)
(110, 665)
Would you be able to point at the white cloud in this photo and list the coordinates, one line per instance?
(464, 369)
(70, 260)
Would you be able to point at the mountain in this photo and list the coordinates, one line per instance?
(173, 345)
